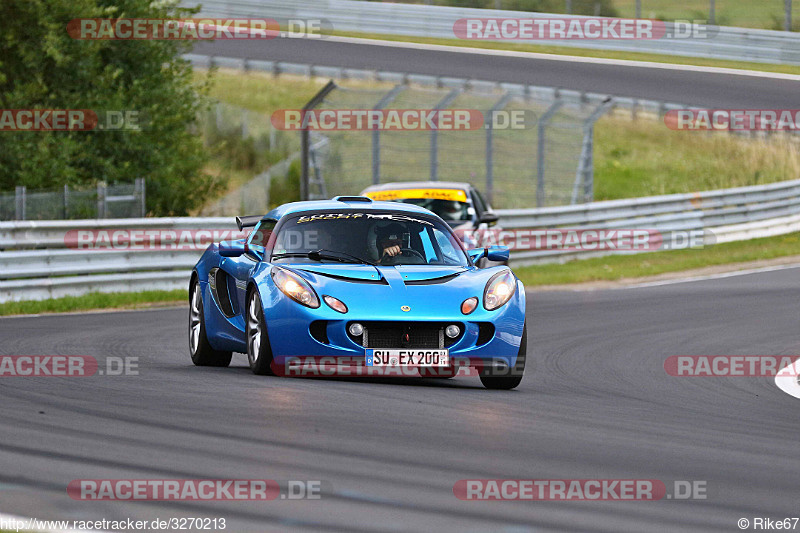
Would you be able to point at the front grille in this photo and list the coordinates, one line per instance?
(411, 335)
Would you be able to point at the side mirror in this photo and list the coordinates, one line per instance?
(475, 254)
(498, 254)
(232, 248)
(490, 219)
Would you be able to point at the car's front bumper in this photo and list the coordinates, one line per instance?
(292, 336)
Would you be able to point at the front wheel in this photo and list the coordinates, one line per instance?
(200, 349)
(514, 376)
(259, 353)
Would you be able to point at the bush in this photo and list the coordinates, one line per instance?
(42, 67)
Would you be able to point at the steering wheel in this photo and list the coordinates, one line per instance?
(412, 252)
(403, 251)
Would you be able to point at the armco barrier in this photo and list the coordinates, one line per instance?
(35, 262)
(738, 44)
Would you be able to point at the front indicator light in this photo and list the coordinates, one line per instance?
(499, 290)
(295, 287)
(469, 305)
(335, 304)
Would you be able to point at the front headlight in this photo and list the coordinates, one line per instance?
(295, 287)
(499, 290)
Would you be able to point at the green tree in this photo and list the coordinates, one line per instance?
(42, 67)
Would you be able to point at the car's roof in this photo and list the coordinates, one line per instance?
(334, 204)
(419, 185)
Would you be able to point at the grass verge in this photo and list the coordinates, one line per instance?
(617, 267)
(635, 158)
(264, 93)
(95, 300)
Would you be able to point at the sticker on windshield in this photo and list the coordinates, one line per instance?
(353, 216)
(450, 195)
(400, 218)
(329, 216)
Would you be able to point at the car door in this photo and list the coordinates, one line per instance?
(240, 268)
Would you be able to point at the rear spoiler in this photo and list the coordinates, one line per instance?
(248, 222)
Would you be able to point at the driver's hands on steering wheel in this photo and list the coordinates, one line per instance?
(391, 251)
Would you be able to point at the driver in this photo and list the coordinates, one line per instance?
(390, 240)
(450, 210)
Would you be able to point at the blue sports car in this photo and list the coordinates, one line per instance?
(352, 282)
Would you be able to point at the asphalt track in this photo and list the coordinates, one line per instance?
(595, 404)
(710, 89)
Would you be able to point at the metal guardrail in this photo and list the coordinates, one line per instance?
(738, 44)
(37, 264)
(729, 214)
(38, 260)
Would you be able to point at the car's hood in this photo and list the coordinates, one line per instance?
(354, 272)
(416, 292)
(409, 273)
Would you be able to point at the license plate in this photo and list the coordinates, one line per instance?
(414, 358)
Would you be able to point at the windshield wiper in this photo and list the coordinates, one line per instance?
(331, 255)
(338, 256)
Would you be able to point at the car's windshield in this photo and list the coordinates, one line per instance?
(385, 238)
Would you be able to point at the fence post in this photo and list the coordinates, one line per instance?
(638, 9)
(376, 134)
(139, 193)
(540, 138)
(585, 173)
(500, 104)
(305, 144)
(443, 103)
(19, 204)
(101, 199)
(787, 23)
(712, 15)
(66, 202)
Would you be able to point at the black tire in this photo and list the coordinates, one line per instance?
(259, 353)
(514, 375)
(200, 349)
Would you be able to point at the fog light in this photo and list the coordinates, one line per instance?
(452, 331)
(356, 329)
